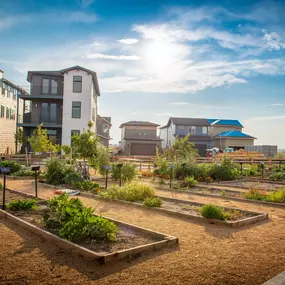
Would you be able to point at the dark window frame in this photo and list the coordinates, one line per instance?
(73, 108)
(2, 111)
(48, 112)
(76, 79)
(49, 92)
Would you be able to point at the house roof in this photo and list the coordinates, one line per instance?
(139, 123)
(12, 85)
(224, 122)
(62, 71)
(234, 134)
(107, 120)
(187, 122)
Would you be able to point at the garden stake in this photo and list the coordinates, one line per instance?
(120, 165)
(171, 174)
(36, 168)
(4, 192)
(241, 168)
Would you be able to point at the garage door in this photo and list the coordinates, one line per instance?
(143, 149)
(201, 149)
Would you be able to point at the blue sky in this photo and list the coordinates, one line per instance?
(155, 59)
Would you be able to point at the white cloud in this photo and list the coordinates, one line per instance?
(274, 105)
(114, 57)
(274, 41)
(128, 41)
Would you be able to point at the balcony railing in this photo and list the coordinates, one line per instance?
(40, 90)
(29, 119)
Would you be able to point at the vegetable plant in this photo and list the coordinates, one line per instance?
(152, 202)
(22, 204)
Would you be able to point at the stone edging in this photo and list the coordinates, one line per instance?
(89, 254)
(277, 280)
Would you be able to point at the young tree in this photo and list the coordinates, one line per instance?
(85, 145)
(39, 141)
(183, 148)
(19, 138)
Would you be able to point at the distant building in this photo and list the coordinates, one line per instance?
(64, 101)
(139, 138)
(9, 107)
(103, 127)
(206, 133)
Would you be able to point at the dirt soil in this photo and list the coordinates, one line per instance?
(208, 254)
(254, 184)
(127, 237)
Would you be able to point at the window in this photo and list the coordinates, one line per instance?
(15, 94)
(7, 113)
(75, 132)
(45, 86)
(204, 130)
(45, 112)
(9, 91)
(52, 112)
(181, 127)
(13, 114)
(192, 130)
(4, 86)
(2, 111)
(105, 128)
(76, 109)
(93, 114)
(77, 84)
(53, 84)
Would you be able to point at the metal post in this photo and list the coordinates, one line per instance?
(241, 168)
(280, 162)
(120, 176)
(106, 181)
(170, 182)
(4, 192)
(36, 183)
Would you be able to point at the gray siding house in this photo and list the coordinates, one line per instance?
(205, 133)
(139, 138)
(103, 126)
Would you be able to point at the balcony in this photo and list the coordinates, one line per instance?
(29, 120)
(42, 92)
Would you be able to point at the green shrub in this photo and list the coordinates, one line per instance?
(255, 194)
(130, 192)
(74, 221)
(128, 171)
(188, 182)
(161, 181)
(13, 165)
(152, 202)
(1, 186)
(72, 178)
(24, 172)
(277, 176)
(56, 171)
(212, 212)
(87, 185)
(223, 193)
(251, 171)
(102, 159)
(277, 196)
(227, 170)
(23, 204)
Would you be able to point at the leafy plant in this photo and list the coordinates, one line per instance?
(56, 171)
(23, 204)
(223, 193)
(13, 165)
(275, 197)
(1, 186)
(184, 148)
(128, 171)
(102, 159)
(72, 178)
(130, 192)
(39, 141)
(190, 182)
(87, 185)
(251, 171)
(152, 202)
(24, 172)
(277, 176)
(161, 181)
(212, 212)
(255, 194)
(74, 221)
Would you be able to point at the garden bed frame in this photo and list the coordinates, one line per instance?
(166, 240)
(266, 181)
(232, 224)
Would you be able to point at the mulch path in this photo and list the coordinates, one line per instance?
(208, 254)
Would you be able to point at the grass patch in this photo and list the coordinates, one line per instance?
(22, 204)
(152, 202)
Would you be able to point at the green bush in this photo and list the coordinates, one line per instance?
(24, 172)
(275, 197)
(188, 182)
(74, 221)
(128, 171)
(277, 176)
(102, 159)
(23, 204)
(152, 202)
(87, 185)
(130, 192)
(227, 170)
(72, 178)
(212, 212)
(13, 165)
(56, 171)
(255, 194)
(251, 171)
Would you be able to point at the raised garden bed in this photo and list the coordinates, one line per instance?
(131, 240)
(191, 210)
(247, 184)
(224, 194)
